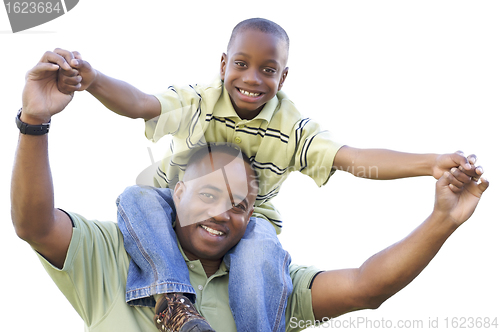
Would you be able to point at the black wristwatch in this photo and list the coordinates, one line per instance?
(28, 129)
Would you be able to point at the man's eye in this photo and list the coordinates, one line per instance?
(239, 64)
(207, 195)
(240, 207)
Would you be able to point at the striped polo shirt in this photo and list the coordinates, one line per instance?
(277, 141)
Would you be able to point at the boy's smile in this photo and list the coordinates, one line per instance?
(254, 70)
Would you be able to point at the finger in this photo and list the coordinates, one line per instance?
(460, 175)
(483, 185)
(41, 67)
(454, 176)
(68, 84)
(478, 188)
(81, 65)
(77, 55)
(72, 82)
(448, 180)
(479, 172)
(68, 81)
(454, 188)
(69, 73)
(459, 158)
(51, 57)
(67, 55)
(472, 158)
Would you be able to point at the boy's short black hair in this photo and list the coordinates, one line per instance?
(260, 24)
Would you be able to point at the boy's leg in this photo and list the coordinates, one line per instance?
(145, 216)
(259, 279)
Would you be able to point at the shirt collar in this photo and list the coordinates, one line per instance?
(223, 269)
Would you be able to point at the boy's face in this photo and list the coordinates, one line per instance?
(253, 70)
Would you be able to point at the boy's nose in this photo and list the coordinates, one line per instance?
(252, 77)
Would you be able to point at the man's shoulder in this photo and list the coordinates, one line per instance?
(107, 230)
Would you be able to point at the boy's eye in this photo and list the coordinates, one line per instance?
(239, 63)
(270, 70)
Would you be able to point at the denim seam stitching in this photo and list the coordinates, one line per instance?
(283, 296)
(161, 284)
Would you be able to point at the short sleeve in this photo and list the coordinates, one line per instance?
(183, 110)
(92, 275)
(299, 311)
(315, 150)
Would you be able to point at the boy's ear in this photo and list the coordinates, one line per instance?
(283, 77)
(223, 64)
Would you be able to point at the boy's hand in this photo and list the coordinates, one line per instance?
(445, 162)
(457, 199)
(79, 77)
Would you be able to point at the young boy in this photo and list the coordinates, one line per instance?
(247, 108)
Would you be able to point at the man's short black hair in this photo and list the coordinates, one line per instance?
(223, 147)
(260, 24)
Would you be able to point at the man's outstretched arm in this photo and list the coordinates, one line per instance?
(46, 229)
(384, 274)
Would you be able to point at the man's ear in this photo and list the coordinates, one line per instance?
(179, 190)
(223, 64)
(250, 211)
(283, 77)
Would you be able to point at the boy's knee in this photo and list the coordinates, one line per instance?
(136, 194)
(259, 228)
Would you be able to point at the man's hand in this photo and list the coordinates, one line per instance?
(41, 97)
(387, 272)
(79, 77)
(457, 195)
(445, 162)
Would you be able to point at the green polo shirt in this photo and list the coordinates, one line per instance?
(278, 140)
(94, 277)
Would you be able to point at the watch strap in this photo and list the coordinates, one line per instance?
(28, 129)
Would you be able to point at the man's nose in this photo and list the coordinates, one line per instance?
(220, 212)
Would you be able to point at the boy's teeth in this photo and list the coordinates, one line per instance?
(251, 94)
(212, 231)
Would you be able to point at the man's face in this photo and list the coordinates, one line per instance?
(213, 207)
(253, 70)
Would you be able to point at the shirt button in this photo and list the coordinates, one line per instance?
(237, 139)
(191, 266)
(200, 287)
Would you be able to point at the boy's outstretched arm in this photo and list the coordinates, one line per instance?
(387, 164)
(384, 274)
(119, 96)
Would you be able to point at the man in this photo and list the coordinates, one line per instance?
(88, 262)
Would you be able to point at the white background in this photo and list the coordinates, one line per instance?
(415, 76)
